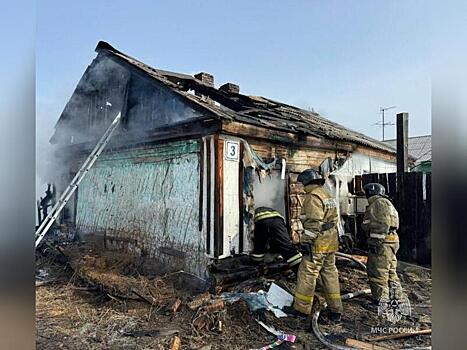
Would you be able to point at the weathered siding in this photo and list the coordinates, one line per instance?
(147, 200)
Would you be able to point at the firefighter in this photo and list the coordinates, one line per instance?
(380, 223)
(271, 231)
(319, 242)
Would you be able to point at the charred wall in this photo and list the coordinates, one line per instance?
(109, 86)
(146, 201)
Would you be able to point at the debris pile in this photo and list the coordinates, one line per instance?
(113, 301)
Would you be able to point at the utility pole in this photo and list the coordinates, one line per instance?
(402, 142)
(383, 123)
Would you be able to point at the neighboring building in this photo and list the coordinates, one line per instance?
(420, 149)
(180, 179)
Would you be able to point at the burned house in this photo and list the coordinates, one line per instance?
(181, 177)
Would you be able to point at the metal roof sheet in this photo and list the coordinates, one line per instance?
(419, 147)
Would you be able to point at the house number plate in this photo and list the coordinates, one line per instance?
(232, 150)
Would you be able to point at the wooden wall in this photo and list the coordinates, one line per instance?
(298, 158)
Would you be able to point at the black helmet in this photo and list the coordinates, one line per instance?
(373, 189)
(310, 176)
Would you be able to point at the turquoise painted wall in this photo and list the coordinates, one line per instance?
(147, 200)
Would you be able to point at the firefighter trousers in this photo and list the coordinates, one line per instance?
(319, 264)
(381, 270)
(273, 233)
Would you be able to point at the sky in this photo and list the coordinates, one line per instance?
(343, 59)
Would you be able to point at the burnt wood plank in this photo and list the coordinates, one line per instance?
(358, 186)
(209, 194)
(219, 196)
(240, 199)
(392, 187)
(278, 136)
(201, 163)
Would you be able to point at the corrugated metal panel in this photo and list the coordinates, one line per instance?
(147, 200)
(419, 147)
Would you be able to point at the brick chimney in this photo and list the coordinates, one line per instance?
(230, 88)
(205, 78)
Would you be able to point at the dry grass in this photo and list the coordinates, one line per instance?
(93, 305)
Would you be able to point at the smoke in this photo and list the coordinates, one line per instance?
(97, 99)
(104, 90)
(270, 192)
(90, 110)
(46, 116)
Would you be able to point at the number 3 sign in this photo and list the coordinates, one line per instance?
(232, 150)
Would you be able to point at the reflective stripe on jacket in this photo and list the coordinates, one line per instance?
(319, 219)
(266, 213)
(381, 219)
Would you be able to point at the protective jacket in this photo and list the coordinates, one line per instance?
(381, 220)
(319, 219)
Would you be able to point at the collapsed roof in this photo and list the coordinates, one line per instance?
(229, 104)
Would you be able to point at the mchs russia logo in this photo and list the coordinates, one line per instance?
(394, 307)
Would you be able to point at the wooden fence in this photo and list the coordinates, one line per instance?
(411, 195)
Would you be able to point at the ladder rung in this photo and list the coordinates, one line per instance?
(88, 163)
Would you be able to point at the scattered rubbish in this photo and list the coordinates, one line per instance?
(43, 283)
(278, 297)
(276, 344)
(176, 305)
(314, 320)
(176, 343)
(42, 274)
(289, 337)
(211, 321)
(215, 305)
(255, 301)
(201, 322)
(190, 283)
(281, 336)
(274, 300)
(199, 301)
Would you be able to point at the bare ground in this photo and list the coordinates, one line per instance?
(103, 298)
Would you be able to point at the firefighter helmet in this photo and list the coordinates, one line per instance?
(310, 176)
(373, 189)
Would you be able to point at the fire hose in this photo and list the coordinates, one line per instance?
(314, 320)
(327, 343)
